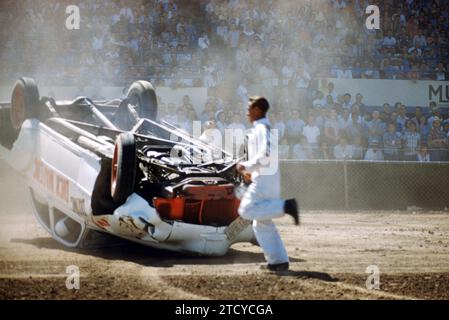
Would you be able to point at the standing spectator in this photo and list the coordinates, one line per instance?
(411, 140)
(359, 102)
(233, 36)
(331, 91)
(376, 127)
(435, 113)
(394, 118)
(392, 141)
(402, 117)
(312, 134)
(418, 113)
(437, 141)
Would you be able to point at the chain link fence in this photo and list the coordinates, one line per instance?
(366, 185)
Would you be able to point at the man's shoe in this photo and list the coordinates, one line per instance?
(278, 267)
(291, 208)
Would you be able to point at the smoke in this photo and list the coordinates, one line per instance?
(276, 40)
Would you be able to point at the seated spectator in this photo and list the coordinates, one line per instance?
(236, 123)
(210, 134)
(423, 154)
(357, 149)
(331, 129)
(302, 151)
(344, 72)
(324, 150)
(347, 101)
(171, 115)
(371, 72)
(374, 153)
(221, 122)
(411, 140)
(419, 40)
(441, 73)
(204, 42)
(278, 123)
(294, 127)
(319, 100)
(389, 40)
(183, 121)
(284, 149)
(343, 150)
(344, 121)
(392, 141)
(321, 119)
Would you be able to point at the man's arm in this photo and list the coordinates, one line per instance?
(262, 155)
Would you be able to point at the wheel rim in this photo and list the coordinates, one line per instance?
(17, 108)
(114, 170)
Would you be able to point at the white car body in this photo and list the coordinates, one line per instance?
(61, 175)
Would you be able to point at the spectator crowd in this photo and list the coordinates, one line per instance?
(239, 47)
(348, 130)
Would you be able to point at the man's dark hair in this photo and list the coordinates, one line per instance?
(260, 102)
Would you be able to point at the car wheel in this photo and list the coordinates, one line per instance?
(142, 95)
(24, 102)
(123, 170)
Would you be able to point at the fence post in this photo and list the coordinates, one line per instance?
(345, 177)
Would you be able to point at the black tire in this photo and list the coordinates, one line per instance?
(24, 102)
(123, 170)
(142, 94)
(102, 202)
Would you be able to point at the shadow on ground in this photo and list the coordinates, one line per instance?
(147, 256)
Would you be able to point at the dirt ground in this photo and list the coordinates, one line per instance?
(329, 253)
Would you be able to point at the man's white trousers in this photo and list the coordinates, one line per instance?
(261, 203)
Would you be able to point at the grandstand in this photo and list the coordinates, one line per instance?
(289, 51)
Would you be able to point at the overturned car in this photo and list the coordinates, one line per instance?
(95, 167)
